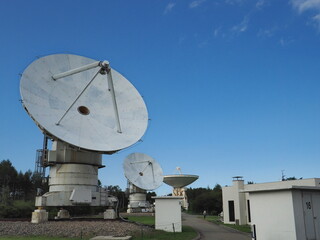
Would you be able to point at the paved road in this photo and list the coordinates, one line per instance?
(211, 231)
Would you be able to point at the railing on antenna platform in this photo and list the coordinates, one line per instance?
(41, 162)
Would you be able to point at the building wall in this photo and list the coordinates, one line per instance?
(307, 217)
(168, 214)
(272, 214)
(314, 182)
(316, 209)
(241, 215)
(298, 214)
(234, 193)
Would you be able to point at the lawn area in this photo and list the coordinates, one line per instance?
(187, 233)
(242, 228)
(39, 238)
(148, 220)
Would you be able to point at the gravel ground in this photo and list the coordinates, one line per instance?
(70, 228)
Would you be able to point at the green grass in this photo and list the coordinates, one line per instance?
(39, 238)
(148, 220)
(215, 219)
(188, 233)
(242, 228)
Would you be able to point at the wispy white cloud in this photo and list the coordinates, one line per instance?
(196, 3)
(285, 41)
(169, 7)
(267, 33)
(317, 17)
(309, 5)
(216, 32)
(304, 5)
(241, 27)
(233, 2)
(260, 4)
(222, 32)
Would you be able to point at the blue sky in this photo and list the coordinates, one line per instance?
(232, 86)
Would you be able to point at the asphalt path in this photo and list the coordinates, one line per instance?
(211, 231)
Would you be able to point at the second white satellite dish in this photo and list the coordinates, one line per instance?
(83, 102)
(143, 171)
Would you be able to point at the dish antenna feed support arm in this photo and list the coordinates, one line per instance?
(103, 64)
(104, 69)
(113, 96)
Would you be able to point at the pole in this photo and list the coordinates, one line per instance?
(76, 70)
(113, 96)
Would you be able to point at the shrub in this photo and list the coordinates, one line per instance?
(19, 209)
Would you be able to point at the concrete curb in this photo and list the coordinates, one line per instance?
(197, 237)
(230, 228)
(111, 238)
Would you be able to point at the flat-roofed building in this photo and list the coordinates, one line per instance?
(276, 210)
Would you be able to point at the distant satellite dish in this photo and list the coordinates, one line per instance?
(83, 102)
(143, 171)
(179, 181)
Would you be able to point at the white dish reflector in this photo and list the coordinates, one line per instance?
(80, 109)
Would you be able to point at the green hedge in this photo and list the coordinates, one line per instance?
(22, 209)
(18, 209)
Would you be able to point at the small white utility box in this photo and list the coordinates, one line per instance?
(286, 213)
(168, 213)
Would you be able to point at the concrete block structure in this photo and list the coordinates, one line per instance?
(286, 213)
(236, 199)
(275, 210)
(168, 213)
(235, 203)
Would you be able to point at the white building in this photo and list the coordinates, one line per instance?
(277, 210)
(168, 213)
(291, 213)
(236, 204)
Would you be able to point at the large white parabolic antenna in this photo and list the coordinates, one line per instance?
(83, 102)
(143, 171)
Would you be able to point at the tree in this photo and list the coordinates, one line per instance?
(117, 192)
(8, 174)
(150, 195)
(19, 186)
(205, 199)
(8, 180)
(290, 178)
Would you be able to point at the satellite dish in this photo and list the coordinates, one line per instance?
(83, 102)
(179, 181)
(143, 171)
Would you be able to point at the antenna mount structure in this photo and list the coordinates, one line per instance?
(143, 173)
(179, 182)
(87, 109)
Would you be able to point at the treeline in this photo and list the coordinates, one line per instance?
(18, 191)
(208, 199)
(16, 185)
(123, 196)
